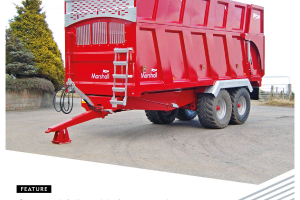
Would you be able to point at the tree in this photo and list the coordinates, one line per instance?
(19, 59)
(30, 26)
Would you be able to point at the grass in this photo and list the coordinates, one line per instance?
(280, 102)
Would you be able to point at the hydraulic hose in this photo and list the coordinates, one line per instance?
(66, 108)
(66, 90)
(54, 98)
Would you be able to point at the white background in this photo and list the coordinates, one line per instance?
(80, 180)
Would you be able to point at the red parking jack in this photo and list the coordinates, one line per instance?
(61, 136)
(61, 133)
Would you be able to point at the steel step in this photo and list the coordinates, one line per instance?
(122, 50)
(118, 89)
(120, 63)
(116, 102)
(121, 76)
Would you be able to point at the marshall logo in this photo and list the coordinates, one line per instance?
(34, 189)
(153, 74)
(104, 75)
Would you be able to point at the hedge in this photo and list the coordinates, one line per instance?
(36, 84)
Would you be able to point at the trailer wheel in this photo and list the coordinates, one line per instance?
(241, 103)
(161, 117)
(214, 112)
(186, 114)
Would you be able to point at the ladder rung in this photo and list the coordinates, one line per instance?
(116, 89)
(116, 102)
(120, 63)
(121, 76)
(123, 50)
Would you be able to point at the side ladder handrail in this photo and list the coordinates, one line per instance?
(125, 76)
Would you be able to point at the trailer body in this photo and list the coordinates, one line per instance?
(162, 54)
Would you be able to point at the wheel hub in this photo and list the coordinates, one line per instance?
(221, 108)
(242, 105)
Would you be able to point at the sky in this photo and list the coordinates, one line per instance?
(281, 27)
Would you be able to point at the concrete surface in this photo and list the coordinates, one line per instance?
(254, 152)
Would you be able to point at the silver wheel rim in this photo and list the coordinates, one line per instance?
(221, 108)
(242, 105)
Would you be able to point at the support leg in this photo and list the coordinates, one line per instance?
(61, 133)
(61, 136)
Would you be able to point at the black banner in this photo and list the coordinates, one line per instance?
(34, 189)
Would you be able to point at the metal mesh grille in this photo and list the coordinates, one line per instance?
(83, 35)
(116, 33)
(114, 7)
(100, 33)
(77, 10)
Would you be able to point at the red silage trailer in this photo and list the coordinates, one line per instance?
(171, 58)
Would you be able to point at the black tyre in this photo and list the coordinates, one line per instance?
(241, 104)
(214, 112)
(161, 117)
(186, 114)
